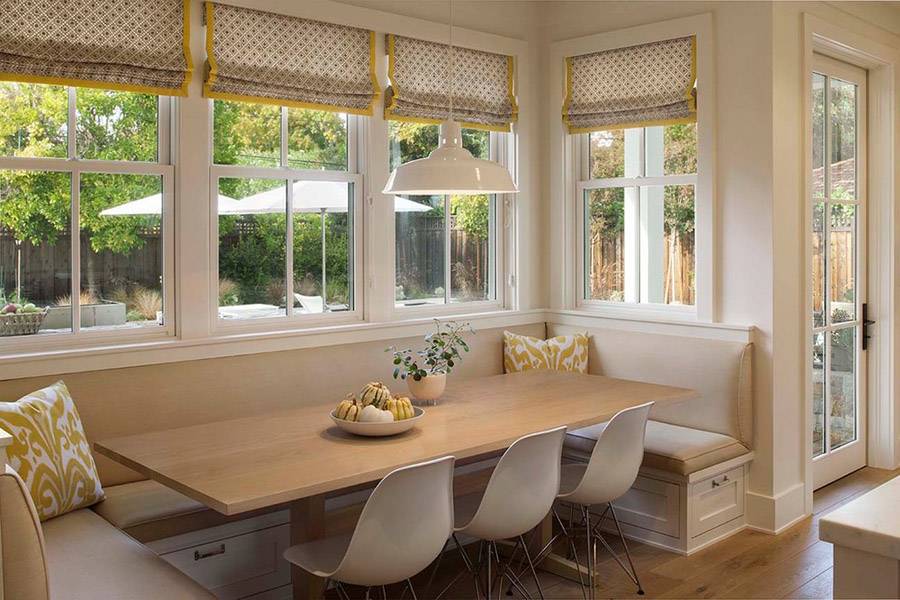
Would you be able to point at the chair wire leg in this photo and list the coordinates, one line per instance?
(570, 537)
(586, 516)
(437, 566)
(634, 573)
(534, 574)
(368, 590)
(412, 591)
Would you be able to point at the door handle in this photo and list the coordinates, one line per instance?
(866, 321)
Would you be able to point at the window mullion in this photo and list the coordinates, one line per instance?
(289, 249)
(75, 241)
(447, 249)
(71, 119)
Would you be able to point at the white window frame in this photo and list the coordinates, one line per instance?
(569, 179)
(163, 168)
(291, 319)
(499, 151)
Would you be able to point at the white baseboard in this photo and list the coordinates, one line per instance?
(774, 514)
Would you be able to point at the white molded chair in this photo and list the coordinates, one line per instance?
(518, 497)
(402, 529)
(608, 475)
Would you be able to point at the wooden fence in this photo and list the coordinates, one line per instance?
(46, 268)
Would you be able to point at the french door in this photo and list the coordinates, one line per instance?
(838, 238)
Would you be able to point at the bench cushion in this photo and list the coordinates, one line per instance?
(140, 502)
(667, 447)
(89, 558)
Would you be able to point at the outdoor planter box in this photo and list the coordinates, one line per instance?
(105, 314)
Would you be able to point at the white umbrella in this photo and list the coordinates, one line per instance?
(152, 205)
(314, 197)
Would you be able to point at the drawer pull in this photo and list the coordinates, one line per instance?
(201, 555)
(718, 483)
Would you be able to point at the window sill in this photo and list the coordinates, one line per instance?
(649, 321)
(137, 352)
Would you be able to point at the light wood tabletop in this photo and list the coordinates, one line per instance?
(299, 456)
(250, 463)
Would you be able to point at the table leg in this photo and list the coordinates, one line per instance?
(307, 523)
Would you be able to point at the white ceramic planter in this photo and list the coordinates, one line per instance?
(428, 389)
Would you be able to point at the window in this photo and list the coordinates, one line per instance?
(445, 245)
(286, 198)
(638, 215)
(85, 207)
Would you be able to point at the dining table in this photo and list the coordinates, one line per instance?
(297, 457)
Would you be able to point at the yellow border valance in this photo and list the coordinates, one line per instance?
(636, 86)
(420, 90)
(131, 45)
(258, 56)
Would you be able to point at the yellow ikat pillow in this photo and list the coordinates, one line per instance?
(50, 451)
(561, 353)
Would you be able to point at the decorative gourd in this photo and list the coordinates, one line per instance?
(400, 407)
(375, 393)
(372, 414)
(348, 409)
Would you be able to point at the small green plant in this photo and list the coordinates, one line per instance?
(440, 355)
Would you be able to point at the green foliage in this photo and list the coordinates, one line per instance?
(440, 355)
(473, 214)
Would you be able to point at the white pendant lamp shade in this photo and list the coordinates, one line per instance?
(450, 170)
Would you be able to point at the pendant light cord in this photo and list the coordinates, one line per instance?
(451, 66)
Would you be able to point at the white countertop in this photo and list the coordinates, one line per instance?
(870, 523)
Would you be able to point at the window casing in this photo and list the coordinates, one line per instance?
(86, 213)
(269, 245)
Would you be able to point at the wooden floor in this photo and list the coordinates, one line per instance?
(793, 564)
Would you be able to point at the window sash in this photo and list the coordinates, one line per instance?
(290, 175)
(636, 292)
(77, 167)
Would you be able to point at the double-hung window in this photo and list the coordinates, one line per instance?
(637, 217)
(446, 246)
(286, 194)
(86, 202)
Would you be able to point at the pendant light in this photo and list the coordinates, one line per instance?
(450, 169)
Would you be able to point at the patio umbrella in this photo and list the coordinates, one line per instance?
(314, 197)
(152, 205)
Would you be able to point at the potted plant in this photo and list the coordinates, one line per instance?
(425, 371)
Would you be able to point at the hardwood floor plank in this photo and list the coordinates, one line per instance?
(821, 586)
(787, 575)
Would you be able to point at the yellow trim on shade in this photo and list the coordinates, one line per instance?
(91, 83)
(614, 126)
(186, 43)
(510, 78)
(389, 114)
(208, 92)
(688, 96)
(289, 103)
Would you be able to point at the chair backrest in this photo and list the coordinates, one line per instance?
(616, 458)
(522, 487)
(311, 304)
(23, 565)
(403, 526)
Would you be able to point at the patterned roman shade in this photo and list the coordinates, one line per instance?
(637, 86)
(133, 45)
(259, 56)
(422, 82)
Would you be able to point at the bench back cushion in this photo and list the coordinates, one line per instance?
(118, 402)
(719, 370)
(22, 563)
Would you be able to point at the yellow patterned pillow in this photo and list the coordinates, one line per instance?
(50, 451)
(562, 353)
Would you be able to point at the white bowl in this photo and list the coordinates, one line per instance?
(379, 429)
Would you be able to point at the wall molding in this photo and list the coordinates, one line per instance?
(774, 514)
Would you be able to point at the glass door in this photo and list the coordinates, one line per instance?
(838, 238)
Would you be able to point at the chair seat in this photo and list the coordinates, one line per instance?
(319, 557)
(672, 448)
(89, 558)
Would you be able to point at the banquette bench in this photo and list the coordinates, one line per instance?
(701, 444)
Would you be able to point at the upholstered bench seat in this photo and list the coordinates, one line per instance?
(140, 502)
(672, 448)
(89, 558)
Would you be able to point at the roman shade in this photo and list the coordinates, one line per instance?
(133, 45)
(638, 86)
(423, 81)
(258, 56)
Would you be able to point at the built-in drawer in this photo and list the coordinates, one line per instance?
(239, 566)
(715, 501)
(651, 504)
